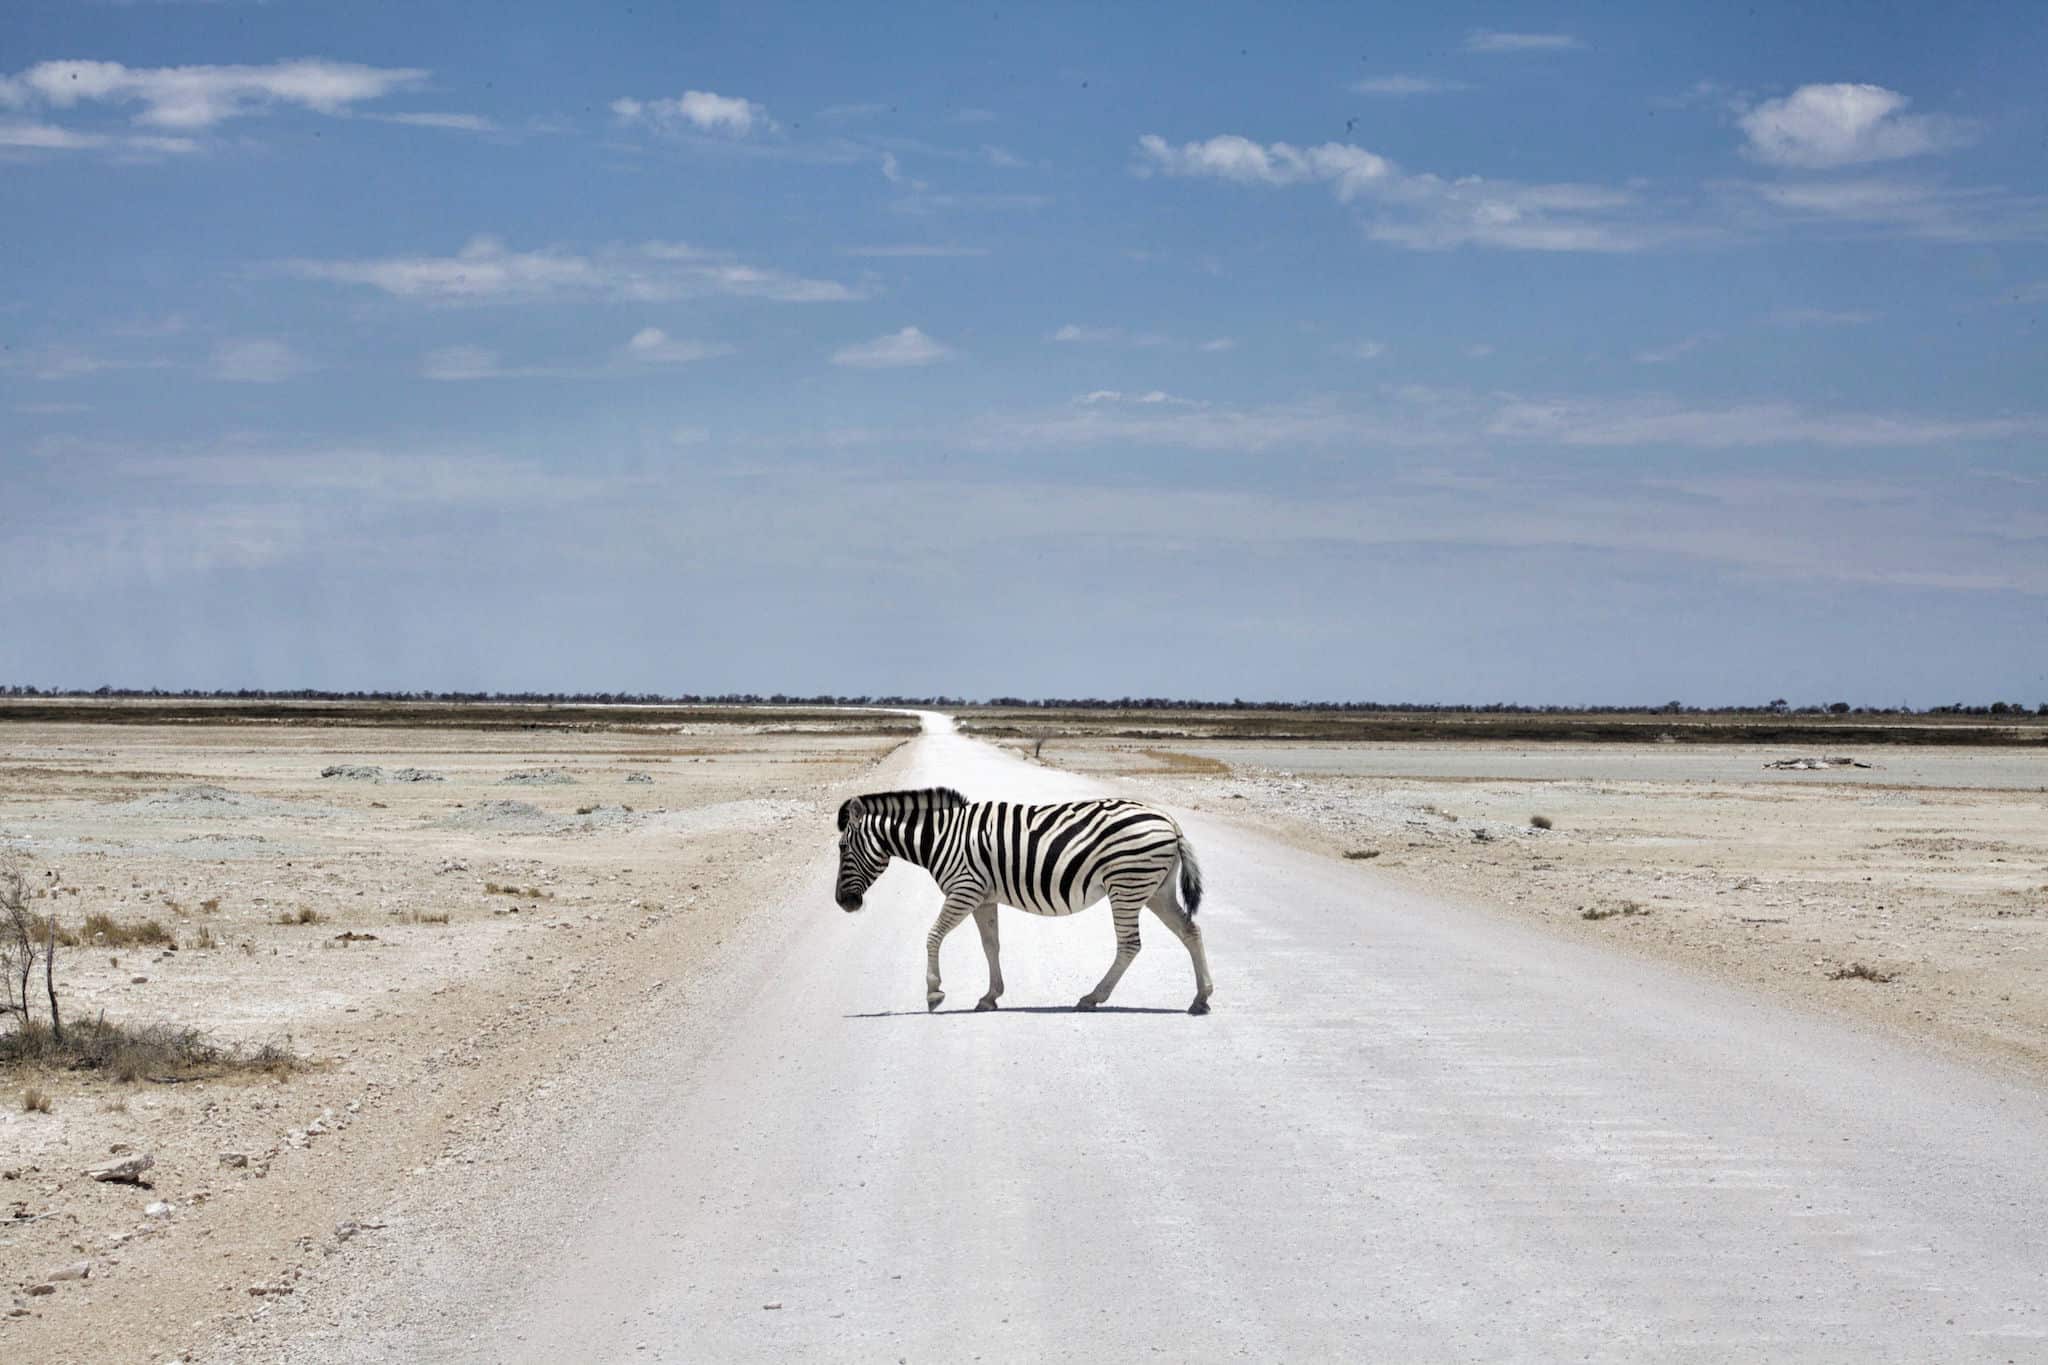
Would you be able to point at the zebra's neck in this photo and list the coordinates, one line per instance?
(916, 837)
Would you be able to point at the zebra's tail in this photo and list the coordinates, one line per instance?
(1190, 878)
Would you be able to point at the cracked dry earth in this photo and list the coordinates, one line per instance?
(1930, 867)
(453, 950)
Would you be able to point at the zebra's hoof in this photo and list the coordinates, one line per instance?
(1086, 1002)
(985, 1003)
(932, 999)
(1199, 1007)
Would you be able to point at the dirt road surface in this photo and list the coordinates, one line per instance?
(1407, 1132)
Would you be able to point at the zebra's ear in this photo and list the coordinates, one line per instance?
(851, 810)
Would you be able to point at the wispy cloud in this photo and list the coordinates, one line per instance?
(261, 360)
(22, 137)
(1400, 87)
(700, 111)
(913, 250)
(1822, 317)
(1911, 208)
(191, 98)
(1425, 211)
(487, 271)
(1665, 354)
(1494, 40)
(1364, 350)
(896, 350)
(1821, 126)
(648, 349)
(1074, 333)
(455, 123)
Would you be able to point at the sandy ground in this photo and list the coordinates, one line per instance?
(527, 905)
(1410, 1130)
(1930, 866)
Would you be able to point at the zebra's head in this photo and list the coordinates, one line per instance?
(861, 855)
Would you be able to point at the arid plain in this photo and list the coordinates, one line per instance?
(447, 923)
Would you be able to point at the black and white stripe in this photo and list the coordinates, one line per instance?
(1048, 860)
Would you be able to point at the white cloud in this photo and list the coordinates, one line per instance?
(897, 349)
(261, 360)
(458, 123)
(1422, 211)
(1478, 350)
(1007, 160)
(1819, 126)
(71, 362)
(24, 136)
(1397, 87)
(197, 97)
(1366, 350)
(1664, 355)
(1075, 333)
(647, 348)
(1493, 40)
(652, 346)
(1350, 170)
(701, 110)
(1625, 422)
(486, 270)
(1217, 345)
(1934, 212)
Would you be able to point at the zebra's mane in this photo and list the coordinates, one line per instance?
(904, 802)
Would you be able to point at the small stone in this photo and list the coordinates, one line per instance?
(138, 980)
(126, 1170)
(236, 1160)
(158, 1209)
(77, 1270)
(38, 1290)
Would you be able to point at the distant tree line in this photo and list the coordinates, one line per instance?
(1777, 707)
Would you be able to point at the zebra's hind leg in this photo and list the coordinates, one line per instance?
(1125, 914)
(1167, 907)
(991, 944)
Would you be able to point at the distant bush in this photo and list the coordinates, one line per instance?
(102, 929)
(1540, 821)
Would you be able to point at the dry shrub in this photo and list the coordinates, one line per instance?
(147, 1052)
(305, 914)
(34, 1101)
(1860, 971)
(103, 929)
(1540, 821)
(210, 904)
(203, 939)
(1360, 854)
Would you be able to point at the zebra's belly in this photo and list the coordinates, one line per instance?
(1033, 900)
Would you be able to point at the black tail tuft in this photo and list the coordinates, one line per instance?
(1190, 879)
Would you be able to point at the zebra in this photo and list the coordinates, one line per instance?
(1047, 860)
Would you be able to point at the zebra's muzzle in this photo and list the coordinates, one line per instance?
(849, 903)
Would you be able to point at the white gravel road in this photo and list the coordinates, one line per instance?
(1408, 1132)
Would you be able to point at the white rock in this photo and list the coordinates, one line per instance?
(158, 1209)
(77, 1270)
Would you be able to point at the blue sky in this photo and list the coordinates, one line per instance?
(1570, 353)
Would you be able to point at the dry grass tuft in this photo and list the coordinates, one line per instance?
(1624, 910)
(1360, 854)
(203, 939)
(34, 1101)
(149, 1052)
(1859, 971)
(305, 914)
(103, 930)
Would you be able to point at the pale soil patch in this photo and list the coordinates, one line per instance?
(1931, 867)
(455, 962)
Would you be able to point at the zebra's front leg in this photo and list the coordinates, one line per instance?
(991, 944)
(957, 908)
(1125, 916)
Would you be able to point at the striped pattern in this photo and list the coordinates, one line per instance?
(1048, 860)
